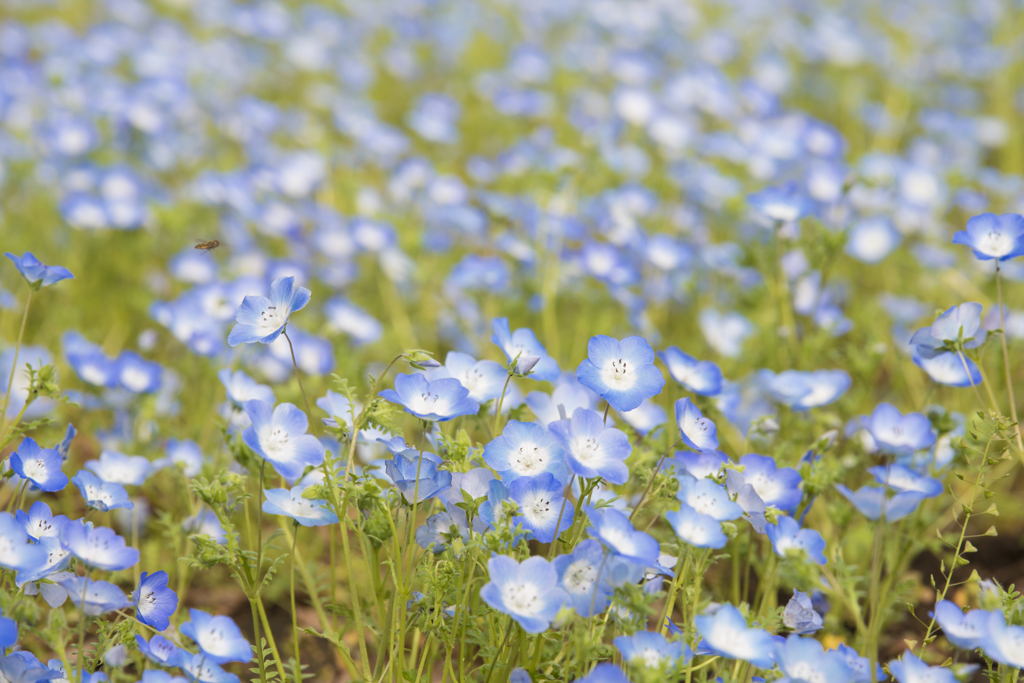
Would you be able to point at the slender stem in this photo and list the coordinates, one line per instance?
(650, 483)
(14, 366)
(508, 634)
(970, 378)
(357, 420)
(259, 643)
(501, 399)
(295, 616)
(558, 524)
(682, 566)
(597, 583)
(1006, 357)
(270, 638)
(298, 378)
(607, 408)
(259, 532)
(80, 663)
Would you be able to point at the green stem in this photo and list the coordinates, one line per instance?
(298, 378)
(14, 366)
(295, 616)
(501, 399)
(259, 644)
(650, 483)
(1006, 357)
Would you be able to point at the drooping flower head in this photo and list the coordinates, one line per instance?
(261, 319)
(523, 344)
(800, 615)
(697, 431)
(620, 372)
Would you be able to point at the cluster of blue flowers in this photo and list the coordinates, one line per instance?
(724, 318)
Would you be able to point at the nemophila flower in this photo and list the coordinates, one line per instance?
(436, 528)
(136, 374)
(436, 401)
(17, 551)
(118, 468)
(37, 274)
(417, 475)
(620, 372)
(523, 344)
(903, 479)
(651, 650)
(800, 615)
(646, 418)
(948, 368)
(577, 574)
(708, 498)
(201, 668)
(568, 393)
(23, 667)
(278, 435)
(910, 669)
(872, 239)
(154, 602)
(860, 666)
(161, 676)
(158, 650)
(484, 379)
(55, 561)
(305, 511)
(101, 495)
(241, 388)
(993, 237)
(604, 673)
(8, 632)
(776, 486)
(591, 449)
(899, 434)
(725, 332)
(617, 533)
(218, 637)
(805, 390)
(789, 539)
(726, 634)
(525, 449)
(959, 324)
(698, 432)
(874, 501)
(41, 466)
(967, 630)
(498, 505)
(1004, 644)
(185, 454)
(699, 376)
(783, 203)
(94, 597)
(64, 447)
(746, 497)
(540, 502)
(98, 547)
(698, 464)
(261, 319)
(527, 592)
(697, 529)
(804, 660)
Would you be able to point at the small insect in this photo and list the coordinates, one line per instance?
(208, 245)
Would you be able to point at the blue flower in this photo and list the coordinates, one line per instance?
(783, 203)
(484, 379)
(1004, 644)
(604, 673)
(707, 498)
(948, 368)
(161, 676)
(56, 559)
(873, 502)
(523, 344)
(800, 615)
(901, 478)
(8, 632)
(158, 650)
(98, 547)
(701, 377)
(261, 319)
(652, 650)
(433, 532)
(860, 666)
(436, 401)
(89, 362)
(185, 453)
(136, 374)
(805, 390)
(788, 538)
(620, 372)
(201, 668)
(241, 388)
(525, 449)
(17, 551)
(992, 237)
(528, 592)
(64, 447)
(35, 273)
(910, 669)
(101, 495)
(616, 533)
(777, 486)
(899, 434)
(23, 667)
(305, 511)
(726, 634)
(568, 393)
(591, 449)
(41, 466)
(804, 660)
(417, 475)
(698, 432)
(278, 435)
(154, 601)
(697, 529)
(966, 631)
(94, 597)
(541, 505)
(577, 574)
(118, 468)
(219, 638)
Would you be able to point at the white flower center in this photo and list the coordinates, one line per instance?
(528, 459)
(522, 598)
(619, 374)
(537, 508)
(272, 319)
(96, 493)
(996, 243)
(34, 469)
(804, 671)
(276, 442)
(579, 577)
(650, 657)
(587, 450)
